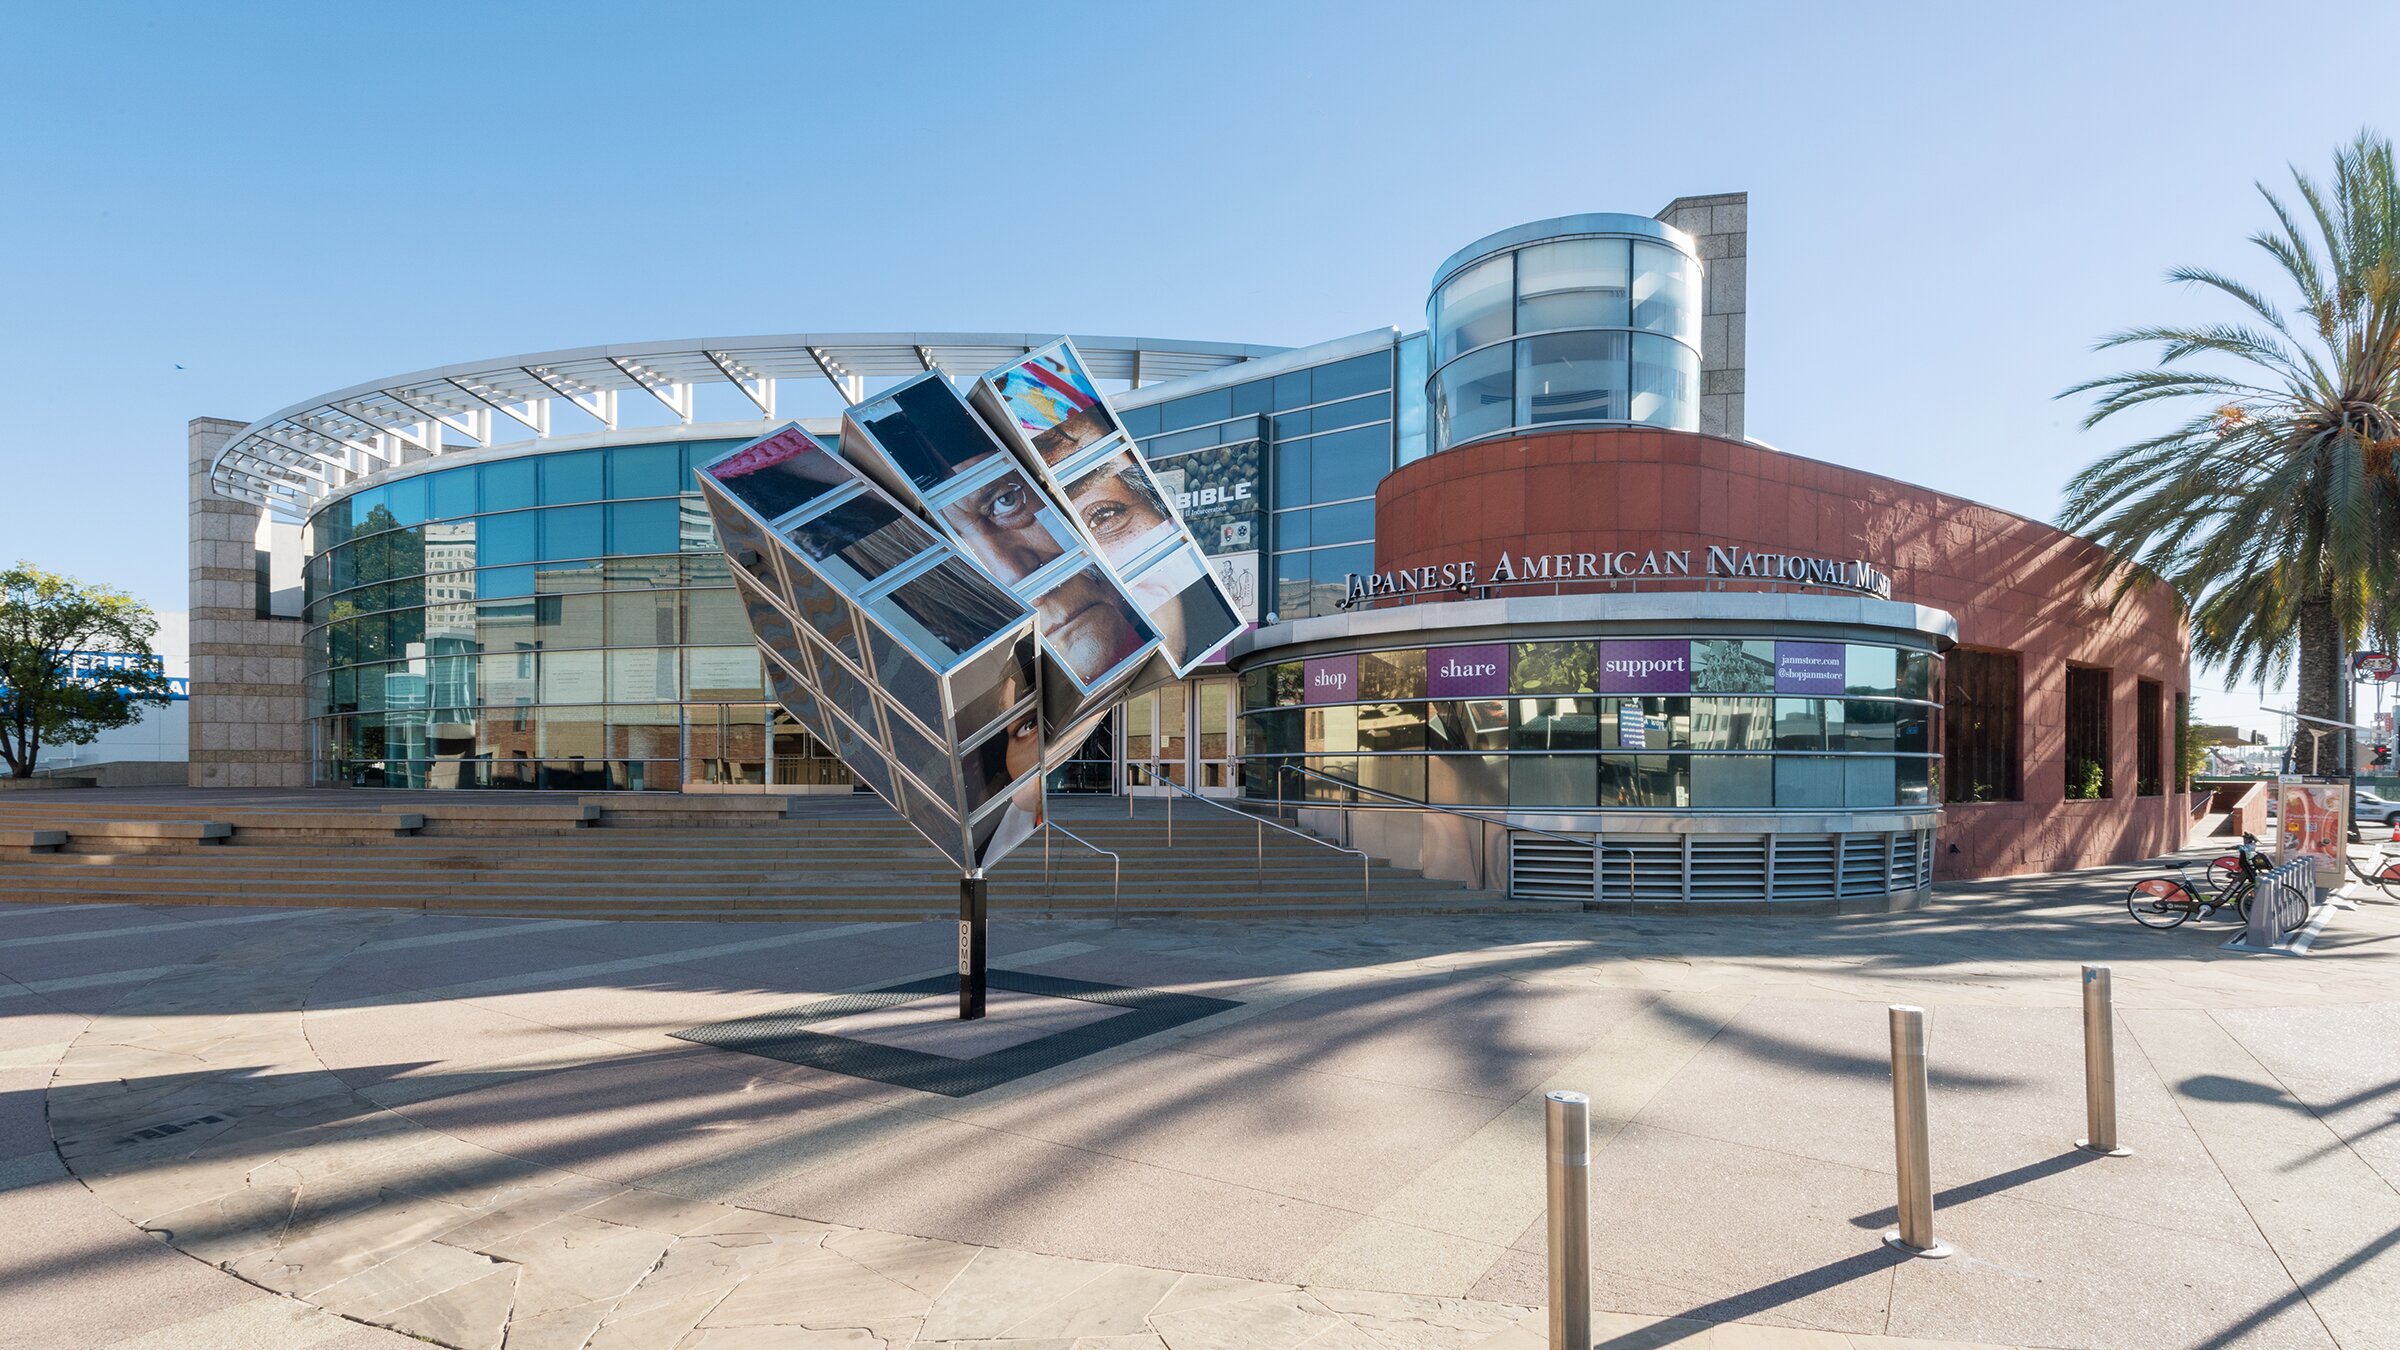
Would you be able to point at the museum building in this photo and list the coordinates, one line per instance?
(1519, 579)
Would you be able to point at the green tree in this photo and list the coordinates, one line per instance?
(2271, 507)
(45, 617)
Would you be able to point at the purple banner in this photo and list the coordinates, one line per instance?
(1467, 672)
(1808, 668)
(1330, 679)
(1647, 666)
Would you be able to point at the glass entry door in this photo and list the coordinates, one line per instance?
(1181, 734)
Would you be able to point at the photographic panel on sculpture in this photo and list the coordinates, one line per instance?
(1003, 773)
(1091, 626)
(778, 473)
(857, 540)
(1186, 604)
(991, 684)
(1004, 520)
(1049, 401)
(1120, 510)
(946, 611)
(924, 434)
(774, 629)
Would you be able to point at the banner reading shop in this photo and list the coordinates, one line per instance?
(1330, 679)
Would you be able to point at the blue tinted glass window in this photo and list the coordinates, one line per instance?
(1347, 524)
(506, 539)
(453, 493)
(1291, 474)
(1291, 391)
(405, 499)
(1348, 463)
(1140, 421)
(1291, 598)
(644, 527)
(1294, 424)
(1358, 375)
(500, 583)
(365, 509)
(1292, 530)
(572, 477)
(1329, 571)
(508, 484)
(1409, 422)
(572, 532)
(1258, 396)
(1213, 406)
(1353, 412)
(645, 471)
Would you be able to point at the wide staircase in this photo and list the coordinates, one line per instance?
(662, 856)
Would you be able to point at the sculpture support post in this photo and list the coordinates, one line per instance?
(973, 908)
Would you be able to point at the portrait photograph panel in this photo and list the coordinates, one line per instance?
(1010, 526)
(1120, 509)
(1090, 625)
(861, 539)
(948, 611)
(1053, 402)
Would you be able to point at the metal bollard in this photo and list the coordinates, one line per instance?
(1911, 1151)
(2099, 1065)
(1569, 1119)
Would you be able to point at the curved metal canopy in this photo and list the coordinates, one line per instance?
(292, 459)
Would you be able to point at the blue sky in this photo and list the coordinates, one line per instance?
(222, 209)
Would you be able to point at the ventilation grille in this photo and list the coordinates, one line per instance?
(1701, 869)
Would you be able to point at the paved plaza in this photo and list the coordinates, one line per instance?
(251, 1127)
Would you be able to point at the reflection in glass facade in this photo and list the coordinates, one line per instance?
(1598, 327)
(1754, 724)
(539, 621)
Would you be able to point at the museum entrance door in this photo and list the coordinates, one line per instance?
(1181, 734)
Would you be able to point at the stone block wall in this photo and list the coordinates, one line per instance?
(1721, 222)
(249, 719)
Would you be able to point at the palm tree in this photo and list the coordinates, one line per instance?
(2272, 509)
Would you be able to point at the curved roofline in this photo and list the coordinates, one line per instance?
(295, 457)
(1562, 227)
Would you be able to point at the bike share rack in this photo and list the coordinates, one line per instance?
(2280, 907)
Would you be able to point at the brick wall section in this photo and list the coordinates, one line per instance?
(1722, 225)
(249, 724)
(2014, 584)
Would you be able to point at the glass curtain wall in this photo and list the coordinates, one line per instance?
(1756, 724)
(1578, 330)
(1329, 433)
(539, 621)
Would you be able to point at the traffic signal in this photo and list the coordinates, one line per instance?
(2383, 755)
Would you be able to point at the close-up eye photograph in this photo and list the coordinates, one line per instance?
(1531, 675)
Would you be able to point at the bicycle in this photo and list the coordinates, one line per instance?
(2164, 902)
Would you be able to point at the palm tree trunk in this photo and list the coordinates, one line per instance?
(2321, 673)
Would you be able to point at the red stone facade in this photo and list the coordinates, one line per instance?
(2013, 584)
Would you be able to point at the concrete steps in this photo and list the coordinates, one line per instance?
(656, 858)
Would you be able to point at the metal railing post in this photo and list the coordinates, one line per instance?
(1046, 860)
(1170, 819)
(2099, 1065)
(1262, 857)
(1568, 1121)
(1911, 1150)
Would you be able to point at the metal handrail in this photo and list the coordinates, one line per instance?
(1366, 863)
(1116, 881)
(1483, 866)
